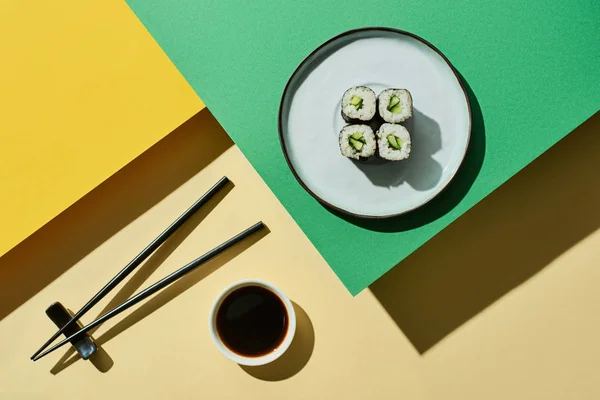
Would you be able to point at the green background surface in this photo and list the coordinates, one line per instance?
(532, 69)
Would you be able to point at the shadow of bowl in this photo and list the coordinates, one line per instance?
(295, 358)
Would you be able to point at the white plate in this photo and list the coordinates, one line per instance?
(310, 122)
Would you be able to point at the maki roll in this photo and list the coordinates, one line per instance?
(358, 104)
(357, 142)
(395, 105)
(393, 142)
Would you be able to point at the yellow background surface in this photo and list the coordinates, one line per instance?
(85, 89)
(503, 304)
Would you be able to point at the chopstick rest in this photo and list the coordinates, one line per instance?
(84, 345)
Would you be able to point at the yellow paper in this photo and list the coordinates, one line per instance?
(85, 89)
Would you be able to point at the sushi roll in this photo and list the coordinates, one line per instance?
(393, 142)
(395, 105)
(357, 142)
(358, 104)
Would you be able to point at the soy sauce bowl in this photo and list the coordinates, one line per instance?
(270, 354)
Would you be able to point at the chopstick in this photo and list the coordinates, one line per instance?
(150, 290)
(155, 244)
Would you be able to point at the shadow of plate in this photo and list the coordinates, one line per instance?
(499, 244)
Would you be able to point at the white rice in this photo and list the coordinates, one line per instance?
(367, 111)
(386, 151)
(367, 150)
(405, 104)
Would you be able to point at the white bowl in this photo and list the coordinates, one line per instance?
(264, 359)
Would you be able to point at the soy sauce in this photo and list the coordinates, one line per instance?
(252, 321)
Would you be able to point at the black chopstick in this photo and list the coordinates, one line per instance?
(155, 244)
(150, 290)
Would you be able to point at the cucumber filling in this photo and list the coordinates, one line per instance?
(394, 141)
(394, 106)
(356, 143)
(358, 136)
(356, 101)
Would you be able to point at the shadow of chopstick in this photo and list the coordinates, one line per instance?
(171, 292)
(181, 286)
(148, 268)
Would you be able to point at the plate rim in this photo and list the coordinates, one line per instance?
(319, 48)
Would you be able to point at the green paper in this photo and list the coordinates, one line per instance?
(532, 68)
